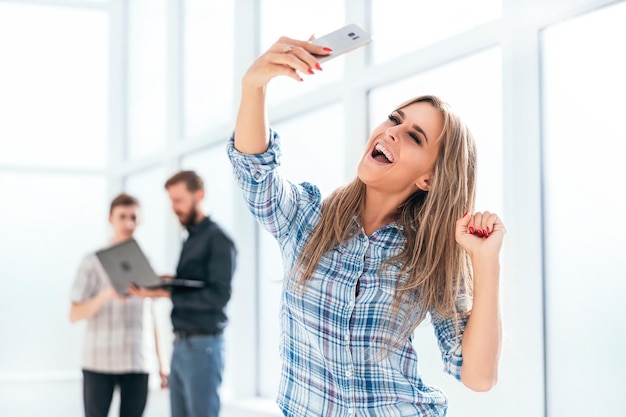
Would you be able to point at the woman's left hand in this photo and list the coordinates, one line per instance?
(480, 233)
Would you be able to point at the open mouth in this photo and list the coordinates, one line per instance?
(382, 154)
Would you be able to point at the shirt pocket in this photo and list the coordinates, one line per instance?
(387, 278)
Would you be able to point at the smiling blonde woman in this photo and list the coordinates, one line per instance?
(364, 267)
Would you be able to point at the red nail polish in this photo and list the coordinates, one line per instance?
(465, 214)
(479, 233)
(310, 71)
(318, 66)
(328, 49)
(301, 79)
(471, 229)
(486, 234)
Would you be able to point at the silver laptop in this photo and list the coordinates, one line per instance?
(126, 264)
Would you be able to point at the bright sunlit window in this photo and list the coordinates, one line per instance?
(401, 26)
(208, 65)
(584, 144)
(147, 86)
(54, 86)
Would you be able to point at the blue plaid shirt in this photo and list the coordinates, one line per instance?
(333, 341)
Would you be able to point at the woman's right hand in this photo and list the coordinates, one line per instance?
(285, 57)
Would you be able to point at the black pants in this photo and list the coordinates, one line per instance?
(98, 392)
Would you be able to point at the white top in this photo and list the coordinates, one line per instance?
(119, 337)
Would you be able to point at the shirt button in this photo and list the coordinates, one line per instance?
(348, 374)
(350, 411)
(257, 175)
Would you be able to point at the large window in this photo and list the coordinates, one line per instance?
(584, 146)
(146, 57)
(54, 86)
(53, 150)
(208, 65)
(401, 26)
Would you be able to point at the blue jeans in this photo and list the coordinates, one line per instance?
(195, 376)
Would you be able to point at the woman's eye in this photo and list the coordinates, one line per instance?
(393, 119)
(416, 138)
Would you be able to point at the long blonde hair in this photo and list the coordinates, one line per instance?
(437, 270)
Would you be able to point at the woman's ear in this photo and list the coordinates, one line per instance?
(423, 183)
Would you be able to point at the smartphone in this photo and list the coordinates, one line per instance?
(342, 40)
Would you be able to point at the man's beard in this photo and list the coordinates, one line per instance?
(190, 219)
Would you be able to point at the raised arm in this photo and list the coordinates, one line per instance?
(481, 235)
(286, 57)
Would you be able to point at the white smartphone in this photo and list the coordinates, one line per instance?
(342, 40)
